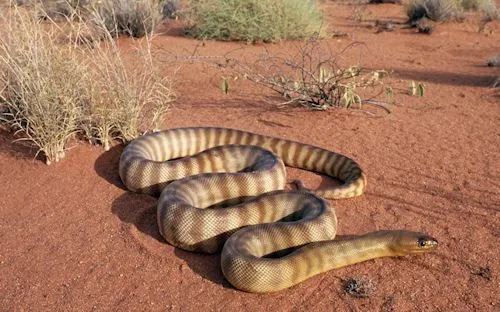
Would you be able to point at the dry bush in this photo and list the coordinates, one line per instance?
(135, 18)
(490, 11)
(58, 9)
(314, 79)
(384, 1)
(52, 91)
(494, 61)
(435, 10)
(448, 10)
(126, 101)
(44, 84)
(129, 17)
(171, 8)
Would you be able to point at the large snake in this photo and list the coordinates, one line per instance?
(223, 189)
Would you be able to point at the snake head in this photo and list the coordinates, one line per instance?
(407, 242)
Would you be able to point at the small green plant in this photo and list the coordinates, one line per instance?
(390, 94)
(224, 85)
(417, 89)
(255, 20)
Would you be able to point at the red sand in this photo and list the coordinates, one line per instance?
(71, 238)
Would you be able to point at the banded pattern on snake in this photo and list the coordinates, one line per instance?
(216, 182)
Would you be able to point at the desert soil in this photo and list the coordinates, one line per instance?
(73, 239)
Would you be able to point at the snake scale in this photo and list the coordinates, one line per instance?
(222, 189)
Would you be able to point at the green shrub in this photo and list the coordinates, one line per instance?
(255, 20)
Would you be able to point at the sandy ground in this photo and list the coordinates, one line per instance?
(73, 239)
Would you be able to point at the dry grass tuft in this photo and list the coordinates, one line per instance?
(448, 10)
(54, 90)
(135, 18)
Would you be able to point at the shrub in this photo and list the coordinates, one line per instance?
(44, 84)
(494, 61)
(446, 10)
(125, 101)
(171, 8)
(255, 20)
(435, 10)
(314, 79)
(384, 1)
(58, 9)
(52, 92)
(130, 17)
(473, 4)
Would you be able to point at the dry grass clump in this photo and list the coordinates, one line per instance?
(447, 10)
(58, 9)
(435, 10)
(135, 18)
(125, 101)
(255, 20)
(53, 91)
(384, 1)
(44, 84)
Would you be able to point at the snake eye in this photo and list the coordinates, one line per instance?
(421, 242)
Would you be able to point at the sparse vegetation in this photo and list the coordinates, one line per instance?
(494, 61)
(255, 20)
(313, 78)
(130, 17)
(54, 91)
(58, 9)
(384, 1)
(435, 10)
(447, 10)
(134, 18)
(417, 89)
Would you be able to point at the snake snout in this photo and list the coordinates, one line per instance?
(413, 242)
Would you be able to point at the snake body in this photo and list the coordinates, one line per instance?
(216, 182)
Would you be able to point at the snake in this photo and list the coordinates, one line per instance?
(223, 190)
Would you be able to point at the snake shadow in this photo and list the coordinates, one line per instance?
(106, 166)
(140, 211)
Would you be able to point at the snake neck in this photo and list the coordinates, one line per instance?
(347, 250)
